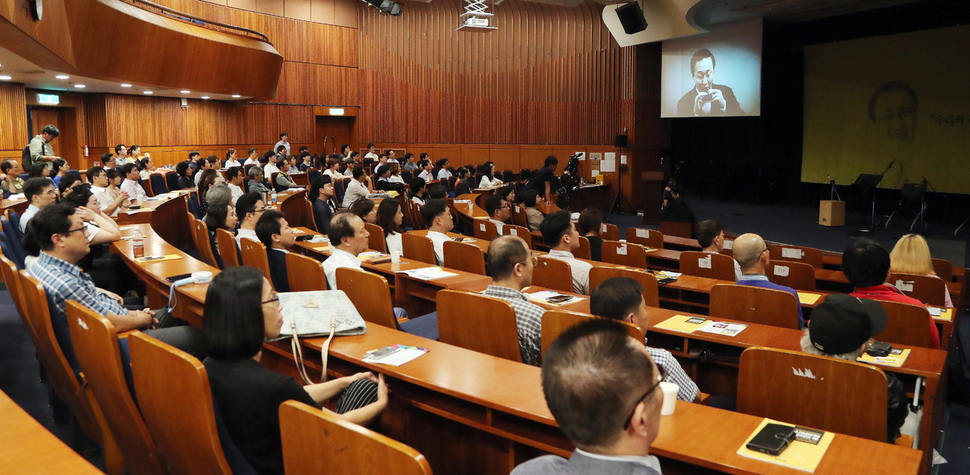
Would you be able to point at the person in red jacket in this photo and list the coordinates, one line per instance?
(866, 265)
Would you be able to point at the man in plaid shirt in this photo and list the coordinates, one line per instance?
(511, 264)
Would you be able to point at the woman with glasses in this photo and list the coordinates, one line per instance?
(241, 311)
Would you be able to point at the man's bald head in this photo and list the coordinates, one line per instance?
(504, 253)
(748, 249)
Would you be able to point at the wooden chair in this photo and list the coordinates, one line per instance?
(418, 248)
(907, 324)
(679, 229)
(926, 288)
(146, 184)
(376, 239)
(484, 229)
(705, 264)
(944, 269)
(520, 231)
(466, 257)
(814, 391)
(186, 434)
(370, 293)
(553, 273)
(479, 323)
(305, 273)
(754, 305)
(609, 232)
(555, 322)
(228, 250)
(202, 242)
(308, 212)
(797, 275)
(645, 237)
(12, 280)
(625, 254)
(417, 218)
(651, 290)
(97, 350)
(583, 251)
(254, 255)
(519, 218)
(316, 441)
(788, 252)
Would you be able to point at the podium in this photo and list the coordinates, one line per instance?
(831, 213)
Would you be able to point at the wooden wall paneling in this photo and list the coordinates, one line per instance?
(96, 119)
(346, 13)
(13, 117)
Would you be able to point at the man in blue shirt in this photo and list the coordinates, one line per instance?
(542, 180)
(751, 252)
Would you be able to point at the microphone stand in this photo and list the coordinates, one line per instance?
(872, 216)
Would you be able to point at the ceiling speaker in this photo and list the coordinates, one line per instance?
(631, 17)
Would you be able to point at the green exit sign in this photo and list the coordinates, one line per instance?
(49, 99)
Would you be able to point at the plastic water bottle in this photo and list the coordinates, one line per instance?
(138, 245)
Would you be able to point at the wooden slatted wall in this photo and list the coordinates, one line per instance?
(13, 120)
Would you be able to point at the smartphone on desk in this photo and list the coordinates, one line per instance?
(176, 278)
(558, 298)
(305, 237)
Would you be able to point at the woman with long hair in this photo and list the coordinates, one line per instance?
(911, 255)
(390, 216)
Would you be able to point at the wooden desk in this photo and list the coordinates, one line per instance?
(29, 447)
(18, 205)
(470, 212)
(588, 196)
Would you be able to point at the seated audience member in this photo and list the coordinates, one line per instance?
(235, 178)
(210, 178)
(273, 231)
(507, 192)
(67, 185)
(359, 187)
(437, 192)
(365, 209)
(462, 186)
(38, 170)
(621, 298)
(488, 176)
(249, 207)
(389, 218)
(441, 169)
(121, 155)
(511, 263)
(348, 238)
(114, 187)
(98, 178)
(58, 230)
(866, 264)
(231, 160)
(283, 181)
(256, 183)
(253, 158)
(419, 189)
(132, 182)
(101, 228)
(911, 255)
(841, 327)
(333, 169)
(241, 310)
(439, 220)
(533, 215)
(498, 211)
(542, 180)
(323, 201)
(751, 252)
(39, 193)
(305, 162)
(677, 209)
(710, 235)
(589, 226)
(559, 232)
(604, 392)
(12, 183)
(203, 164)
(61, 168)
(410, 162)
(108, 161)
(384, 182)
(426, 171)
(146, 168)
(108, 270)
(184, 173)
(271, 166)
(221, 215)
(395, 176)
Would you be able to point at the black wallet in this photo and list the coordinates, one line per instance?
(879, 348)
(772, 439)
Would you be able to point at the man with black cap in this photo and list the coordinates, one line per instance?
(841, 327)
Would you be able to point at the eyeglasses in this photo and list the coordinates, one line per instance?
(767, 246)
(71, 231)
(663, 376)
(535, 261)
(703, 74)
(275, 297)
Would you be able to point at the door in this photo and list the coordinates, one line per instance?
(332, 132)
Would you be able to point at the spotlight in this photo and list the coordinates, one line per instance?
(387, 6)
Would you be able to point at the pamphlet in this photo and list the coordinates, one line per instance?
(681, 323)
(551, 297)
(722, 328)
(153, 259)
(895, 358)
(808, 298)
(395, 355)
(428, 273)
(803, 453)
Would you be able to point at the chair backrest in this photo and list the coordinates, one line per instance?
(645, 237)
(907, 324)
(228, 250)
(814, 391)
(788, 252)
(555, 322)
(338, 190)
(417, 219)
(466, 257)
(944, 269)
(754, 305)
(705, 264)
(311, 221)
(60, 373)
(370, 293)
(254, 255)
(12, 280)
(12, 238)
(186, 434)
(624, 254)
(609, 232)
(675, 228)
(651, 290)
(316, 441)
(418, 248)
(583, 251)
(797, 275)
(376, 240)
(98, 353)
(202, 242)
(172, 180)
(553, 273)
(304, 273)
(146, 184)
(484, 229)
(157, 181)
(519, 217)
(520, 231)
(926, 288)
(476, 322)
(312, 174)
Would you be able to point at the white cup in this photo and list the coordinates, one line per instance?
(670, 391)
(395, 257)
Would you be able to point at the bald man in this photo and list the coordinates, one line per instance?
(752, 255)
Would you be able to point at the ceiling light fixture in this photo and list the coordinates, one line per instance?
(126, 85)
(386, 6)
(185, 91)
(5, 78)
(236, 96)
(205, 97)
(62, 76)
(147, 92)
(80, 86)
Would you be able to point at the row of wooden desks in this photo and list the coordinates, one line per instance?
(29, 447)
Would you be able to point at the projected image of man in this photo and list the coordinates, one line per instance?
(707, 98)
(892, 108)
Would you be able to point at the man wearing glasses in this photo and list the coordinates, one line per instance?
(498, 210)
(707, 98)
(602, 388)
(249, 207)
(40, 193)
(751, 252)
(511, 264)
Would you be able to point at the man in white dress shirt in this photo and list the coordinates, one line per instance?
(710, 235)
(559, 231)
(498, 211)
(357, 188)
(121, 157)
(132, 183)
(98, 178)
(439, 220)
(235, 177)
(284, 142)
(348, 238)
(371, 152)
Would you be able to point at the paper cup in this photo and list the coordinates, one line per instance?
(395, 257)
(670, 398)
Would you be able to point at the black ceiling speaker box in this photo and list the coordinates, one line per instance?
(631, 17)
(619, 141)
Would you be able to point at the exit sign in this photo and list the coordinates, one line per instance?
(49, 99)
(336, 111)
